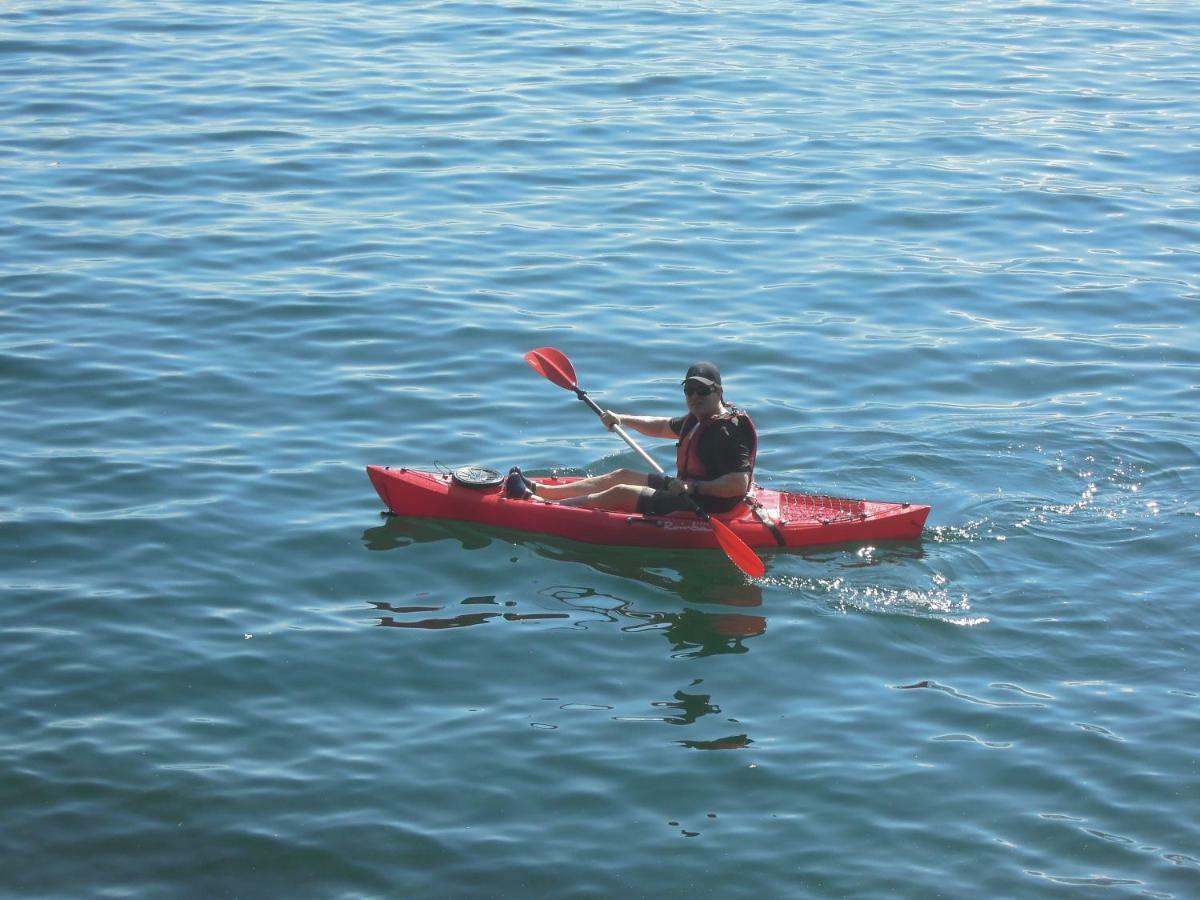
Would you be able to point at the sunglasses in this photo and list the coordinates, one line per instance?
(698, 390)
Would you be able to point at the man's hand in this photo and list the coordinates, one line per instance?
(677, 486)
(652, 426)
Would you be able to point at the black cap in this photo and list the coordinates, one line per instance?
(705, 373)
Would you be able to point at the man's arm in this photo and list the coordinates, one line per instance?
(651, 426)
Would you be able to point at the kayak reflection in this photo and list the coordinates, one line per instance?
(696, 576)
(691, 576)
(731, 621)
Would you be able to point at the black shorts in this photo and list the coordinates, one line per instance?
(655, 501)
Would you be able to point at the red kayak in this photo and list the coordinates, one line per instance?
(780, 520)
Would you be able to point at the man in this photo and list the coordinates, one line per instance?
(714, 459)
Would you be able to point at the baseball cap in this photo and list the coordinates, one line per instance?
(705, 373)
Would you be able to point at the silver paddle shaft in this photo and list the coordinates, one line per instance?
(638, 450)
(633, 445)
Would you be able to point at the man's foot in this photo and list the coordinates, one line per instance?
(517, 486)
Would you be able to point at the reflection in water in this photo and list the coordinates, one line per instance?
(690, 633)
(691, 707)
(460, 620)
(468, 619)
(696, 576)
(396, 532)
(733, 742)
(982, 701)
(840, 577)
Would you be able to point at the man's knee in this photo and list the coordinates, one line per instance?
(612, 479)
(623, 497)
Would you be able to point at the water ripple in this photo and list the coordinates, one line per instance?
(247, 249)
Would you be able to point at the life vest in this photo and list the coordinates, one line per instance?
(687, 452)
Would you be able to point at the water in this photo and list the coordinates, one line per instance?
(947, 256)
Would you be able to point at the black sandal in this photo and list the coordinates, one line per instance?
(517, 486)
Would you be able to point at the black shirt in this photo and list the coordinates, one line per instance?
(727, 445)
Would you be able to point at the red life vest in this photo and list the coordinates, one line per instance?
(687, 452)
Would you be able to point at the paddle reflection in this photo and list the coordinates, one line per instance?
(690, 632)
(461, 620)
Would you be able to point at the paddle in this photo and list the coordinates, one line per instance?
(554, 366)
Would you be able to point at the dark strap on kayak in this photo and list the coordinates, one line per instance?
(766, 520)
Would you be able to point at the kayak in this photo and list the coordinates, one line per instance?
(770, 519)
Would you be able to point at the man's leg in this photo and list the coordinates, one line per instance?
(621, 497)
(591, 486)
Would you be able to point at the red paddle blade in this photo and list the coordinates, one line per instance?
(554, 365)
(737, 550)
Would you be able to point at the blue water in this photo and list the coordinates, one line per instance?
(943, 253)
